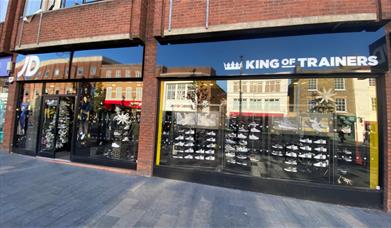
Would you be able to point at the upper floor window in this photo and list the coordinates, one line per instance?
(236, 87)
(80, 71)
(93, 71)
(3, 9)
(312, 84)
(118, 73)
(108, 74)
(372, 82)
(340, 105)
(339, 84)
(138, 74)
(33, 6)
(272, 86)
(127, 74)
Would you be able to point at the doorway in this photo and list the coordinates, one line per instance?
(55, 136)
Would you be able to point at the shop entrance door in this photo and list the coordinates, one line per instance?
(57, 114)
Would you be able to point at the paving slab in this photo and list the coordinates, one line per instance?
(40, 193)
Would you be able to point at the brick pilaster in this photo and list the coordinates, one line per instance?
(387, 136)
(10, 115)
(149, 110)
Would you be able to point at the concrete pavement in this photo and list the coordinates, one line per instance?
(38, 193)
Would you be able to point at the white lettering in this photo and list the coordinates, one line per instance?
(250, 64)
(30, 66)
(372, 60)
(351, 60)
(340, 61)
(302, 61)
(312, 62)
(324, 62)
(274, 63)
(361, 61)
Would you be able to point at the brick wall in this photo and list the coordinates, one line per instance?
(146, 149)
(186, 14)
(385, 6)
(386, 137)
(106, 18)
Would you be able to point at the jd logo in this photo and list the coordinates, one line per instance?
(30, 66)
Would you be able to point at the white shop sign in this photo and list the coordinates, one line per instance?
(308, 62)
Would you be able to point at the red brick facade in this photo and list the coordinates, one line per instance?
(141, 22)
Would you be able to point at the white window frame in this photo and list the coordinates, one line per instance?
(138, 74)
(372, 81)
(118, 73)
(316, 84)
(118, 93)
(128, 93)
(109, 93)
(171, 91)
(108, 73)
(139, 93)
(346, 105)
(336, 83)
(128, 74)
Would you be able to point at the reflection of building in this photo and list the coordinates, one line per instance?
(83, 67)
(305, 91)
(259, 97)
(352, 97)
(190, 96)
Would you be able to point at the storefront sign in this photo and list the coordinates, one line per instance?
(4, 61)
(310, 62)
(379, 48)
(30, 66)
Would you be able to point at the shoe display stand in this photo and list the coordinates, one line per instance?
(241, 143)
(189, 144)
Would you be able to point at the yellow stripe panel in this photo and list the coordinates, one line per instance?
(159, 134)
(374, 157)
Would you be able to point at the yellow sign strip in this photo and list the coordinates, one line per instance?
(159, 134)
(374, 157)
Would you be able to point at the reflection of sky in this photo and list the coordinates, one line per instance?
(126, 55)
(214, 54)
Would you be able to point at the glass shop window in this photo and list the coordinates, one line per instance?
(327, 136)
(3, 9)
(108, 127)
(108, 62)
(47, 66)
(33, 6)
(3, 105)
(27, 117)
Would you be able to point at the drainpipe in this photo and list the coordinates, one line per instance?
(207, 15)
(170, 16)
(20, 31)
(39, 27)
(379, 10)
(131, 19)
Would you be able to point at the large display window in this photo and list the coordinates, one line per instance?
(108, 120)
(81, 105)
(275, 128)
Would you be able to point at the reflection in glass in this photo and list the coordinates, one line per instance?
(108, 120)
(3, 105)
(318, 130)
(27, 117)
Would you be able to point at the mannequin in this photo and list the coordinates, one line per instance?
(85, 108)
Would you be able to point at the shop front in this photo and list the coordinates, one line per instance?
(4, 77)
(81, 106)
(299, 116)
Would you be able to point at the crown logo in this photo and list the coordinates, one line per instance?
(233, 66)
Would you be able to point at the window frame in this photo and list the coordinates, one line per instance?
(338, 83)
(345, 102)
